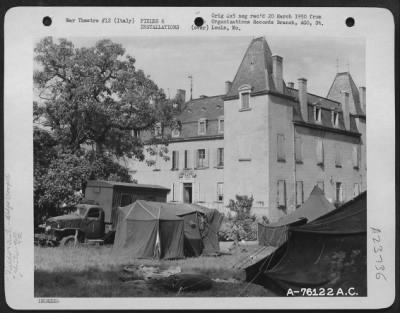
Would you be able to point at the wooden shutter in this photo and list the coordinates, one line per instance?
(299, 193)
(206, 157)
(177, 159)
(298, 151)
(356, 156)
(320, 152)
(280, 148)
(189, 159)
(195, 158)
(195, 192)
(338, 159)
(215, 157)
(281, 193)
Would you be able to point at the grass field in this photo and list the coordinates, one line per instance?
(92, 271)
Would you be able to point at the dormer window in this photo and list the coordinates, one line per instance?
(176, 131)
(221, 124)
(158, 129)
(335, 118)
(244, 97)
(202, 126)
(317, 114)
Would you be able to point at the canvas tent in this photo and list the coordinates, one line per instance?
(328, 252)
(146, 231)
(275, 234)
(190, 235)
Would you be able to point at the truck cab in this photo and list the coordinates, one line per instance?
(85, 224)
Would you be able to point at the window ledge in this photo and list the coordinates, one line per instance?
(219, 166)
(243, 110)
(281, 161)
(174, 169)
(156, 170)
(356, 168)
(218, 201)
(299, 162)
(244, 159)
(201, 168)
(338, 166)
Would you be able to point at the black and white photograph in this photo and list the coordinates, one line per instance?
(211, 166)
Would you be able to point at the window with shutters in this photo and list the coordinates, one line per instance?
(298, 150)
(338, 156)
(281, 196)
(321, 185)
(299, 193)
(220, 157)
(202, 158)
(281, 148)
(220, 191)
(175, 160)
(320, 152)
(202, 126)
(221, 125)
(356, 157)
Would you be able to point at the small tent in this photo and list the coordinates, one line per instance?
(328, 252)
(275, 234)
(145, 230)
(193, 217)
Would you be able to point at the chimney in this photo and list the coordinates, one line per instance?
(346, 109)
(303, 98)
(363, 102)
(228, 85)
(277, 72)
(290, 84)
(180, 96)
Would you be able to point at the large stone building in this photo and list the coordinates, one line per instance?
(265, 138)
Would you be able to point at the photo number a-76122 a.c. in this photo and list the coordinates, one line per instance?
(322, 292)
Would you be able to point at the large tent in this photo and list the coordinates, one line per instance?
(275, 234)
(146, 231)
(193, 230)
(328, 252)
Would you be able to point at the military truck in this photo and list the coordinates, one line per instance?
(86, 224)
(95, 218)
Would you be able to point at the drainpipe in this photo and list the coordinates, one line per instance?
(294, 165)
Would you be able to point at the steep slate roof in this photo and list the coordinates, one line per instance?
(255, 69)
(208, 107)
(344, 82)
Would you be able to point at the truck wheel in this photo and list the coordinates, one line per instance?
(68, 241)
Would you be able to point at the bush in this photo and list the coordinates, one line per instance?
(243, 225)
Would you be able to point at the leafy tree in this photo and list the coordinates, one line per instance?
(97, 96)
(93, 102)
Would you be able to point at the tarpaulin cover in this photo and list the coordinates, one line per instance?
(138, 224)
(142, 227)
(329, 252)
(275, 234)
(210, 239)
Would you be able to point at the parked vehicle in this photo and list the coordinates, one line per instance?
(94, 220)
(86, 224)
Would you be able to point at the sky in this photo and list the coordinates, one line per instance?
(213, 60)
